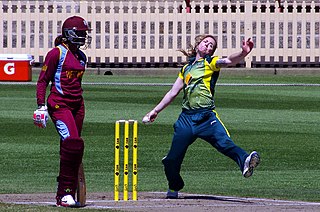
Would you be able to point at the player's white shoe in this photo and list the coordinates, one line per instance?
(252, 161)
(171, 194)
(66, 201)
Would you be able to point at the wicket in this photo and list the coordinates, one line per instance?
(126, 159)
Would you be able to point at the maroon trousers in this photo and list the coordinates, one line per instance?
(68, 118)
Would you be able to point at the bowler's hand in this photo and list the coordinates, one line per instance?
(247, 46)
(150, 117)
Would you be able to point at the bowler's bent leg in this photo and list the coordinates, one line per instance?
(182, 138)
(218, 136)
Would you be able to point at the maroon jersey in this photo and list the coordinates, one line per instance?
(64, 70)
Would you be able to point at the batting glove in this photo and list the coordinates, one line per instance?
(40, 116)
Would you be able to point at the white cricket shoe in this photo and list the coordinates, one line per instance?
(66, 201)
(252, 161)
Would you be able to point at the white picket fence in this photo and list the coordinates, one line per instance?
(152, 32)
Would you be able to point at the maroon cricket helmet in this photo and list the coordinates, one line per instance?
(74, 29)
(75, 23)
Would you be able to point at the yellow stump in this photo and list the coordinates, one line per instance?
(126, 161)
(135, 161)
(126, 132)
(116, 161)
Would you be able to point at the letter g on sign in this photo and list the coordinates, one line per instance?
(9, 68)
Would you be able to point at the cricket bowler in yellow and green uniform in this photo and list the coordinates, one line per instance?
(198, 118)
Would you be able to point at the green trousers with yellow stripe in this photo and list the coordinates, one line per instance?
(190, 126)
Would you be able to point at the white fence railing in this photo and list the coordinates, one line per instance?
(151, 32)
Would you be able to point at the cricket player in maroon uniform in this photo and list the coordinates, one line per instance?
(64, 66)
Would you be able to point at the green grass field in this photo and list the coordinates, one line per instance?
(280, 122)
